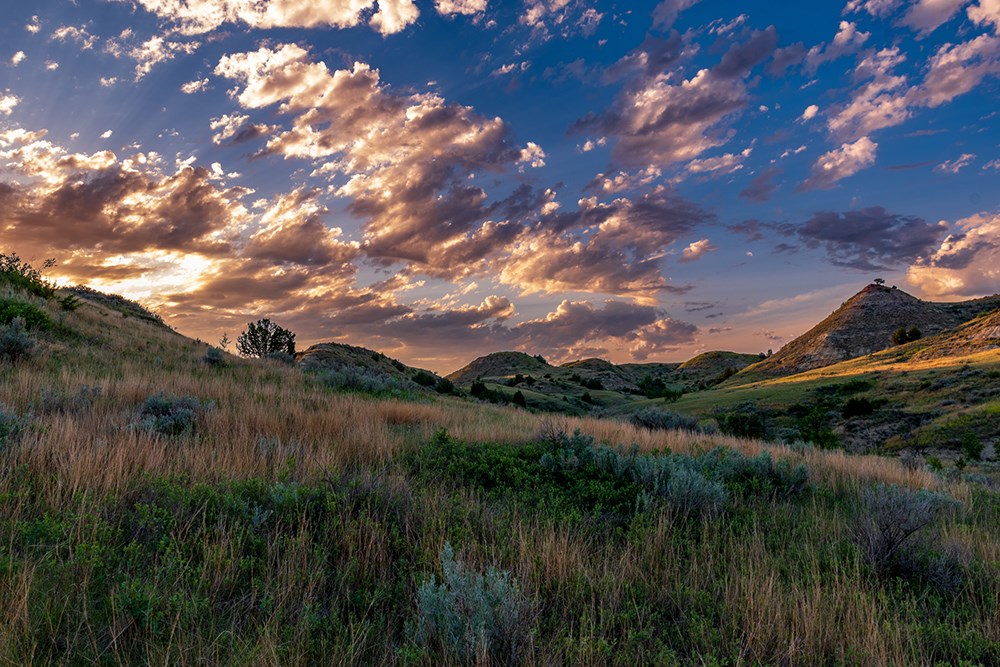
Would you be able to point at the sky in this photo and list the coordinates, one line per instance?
(441, 179)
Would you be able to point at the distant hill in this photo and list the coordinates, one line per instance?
(863, 324)
(499, 365)
(340, 357)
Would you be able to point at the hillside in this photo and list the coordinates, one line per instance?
(359, 367)
(160, 505)
(862, 325)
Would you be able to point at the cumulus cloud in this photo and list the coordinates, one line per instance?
(849, 39)
(810, 112)
(840, 163)
(956, 165)
(467, 7)
(17, 58)
(665, 14)
(879, 102)
(696, 250)
(956, 69)
(870, 239)
(662, 118)
(68, 33)
(986, 12)
(611, 248)
(196, 86)
(967, 263)
(877, 8)
(567, 17)
(925, 16)
(623, 181)
(196, 17)
(150, 53)
(719, 165)
(8, 102)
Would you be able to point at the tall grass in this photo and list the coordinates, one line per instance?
(283, 530)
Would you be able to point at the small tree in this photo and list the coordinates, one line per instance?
(264, 337)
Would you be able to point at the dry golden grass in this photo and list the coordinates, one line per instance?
(271, 422)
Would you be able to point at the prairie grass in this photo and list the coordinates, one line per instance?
(292, 527)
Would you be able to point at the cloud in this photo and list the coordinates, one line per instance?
(877, 8)
(622, 181)
(966, 264)
(956, 165)
(51, 65)
(925, 16)
(532, 155)
(68, 33)
(956, 69)
(17, 58)
(197, 17)
(568, 17)
(8, 102)
(810, 112)
(112, 206)
(107, 134)
(986, 12)
(659, 120)
(785, 58)
(719, 165)
(762, 187)
(35, 26)
(196, 86)
(847, 40)
(467, 7)
(665, 14)
(870, 239)
(878, 103)
(611, 248)
(840, 163)
(697, 250)
(150, 53)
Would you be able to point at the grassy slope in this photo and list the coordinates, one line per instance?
(295, 526)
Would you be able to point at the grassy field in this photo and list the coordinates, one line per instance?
(240, 513)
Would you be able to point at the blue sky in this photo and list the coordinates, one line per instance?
(444, 178)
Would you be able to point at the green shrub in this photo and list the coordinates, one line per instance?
(11, 425)
(425, 379)
(746, 420)
(22, 275)
(444, 386)
(972, 446)
(893, 527)
(352, 378)
(60, 402)
(171, 415)
(15, 341)
(519, 399)
(857, 407)
(281, 357)
(214, 357)
(473, 616)
(264, 337)
(33, 316)
(664, 420)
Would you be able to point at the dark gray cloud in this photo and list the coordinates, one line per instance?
(762, 187)
(786, 57)
(871, 238)
(741, 58)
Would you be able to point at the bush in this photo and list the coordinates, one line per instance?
(214, 357)
(15, 341)
(59, 402)
(351, 378)
(664, 420)
(472, 616)
(171, 415)
(264, 337)
(281, 357)
(425, 379)
(747, 420)
(20, 274)
(11, 425)
(519, 399)
(893, 528)
(444, 386)
(857, 407)
(32, 316)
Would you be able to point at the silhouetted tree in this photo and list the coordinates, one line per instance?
(264, 337)
(519, 399)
